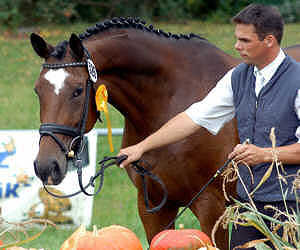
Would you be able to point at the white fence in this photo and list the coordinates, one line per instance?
(103, 131)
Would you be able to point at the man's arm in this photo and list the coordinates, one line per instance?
(211, 113)
(174, 130)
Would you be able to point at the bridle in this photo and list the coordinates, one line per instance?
(51, 129)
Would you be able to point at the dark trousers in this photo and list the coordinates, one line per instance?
(242, 234)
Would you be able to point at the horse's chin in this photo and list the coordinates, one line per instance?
(50, 181)
(53, 180)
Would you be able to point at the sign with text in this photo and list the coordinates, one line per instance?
(22, 195)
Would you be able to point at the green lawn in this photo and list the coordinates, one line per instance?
(19, 109)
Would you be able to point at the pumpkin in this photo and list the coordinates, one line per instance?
(72, 241)
(114, 237)
(1, 244)
(191, 239)
(208, 248)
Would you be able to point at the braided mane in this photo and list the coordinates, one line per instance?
(130, 22)
(121, 22)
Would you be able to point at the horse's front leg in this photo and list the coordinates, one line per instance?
(155, 222)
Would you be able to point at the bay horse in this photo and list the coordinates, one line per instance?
(150, 75)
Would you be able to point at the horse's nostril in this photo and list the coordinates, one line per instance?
(55, 172)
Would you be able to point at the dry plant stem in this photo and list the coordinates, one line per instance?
(290, 226)
(223, 218)
(244, 186)
(261, 214)
(229, 175)
(277, 163)
(21, 227)
(23, 224)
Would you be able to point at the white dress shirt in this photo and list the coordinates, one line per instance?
(217, 107)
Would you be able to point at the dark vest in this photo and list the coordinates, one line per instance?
(274, 107)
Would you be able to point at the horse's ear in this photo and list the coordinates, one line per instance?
(39, 45)
(76, 46)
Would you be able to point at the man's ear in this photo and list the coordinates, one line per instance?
(76, 46)
(270, 40)
(39, 45)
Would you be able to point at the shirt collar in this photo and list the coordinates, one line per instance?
(268, 71)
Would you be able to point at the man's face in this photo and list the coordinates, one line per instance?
(251, 49)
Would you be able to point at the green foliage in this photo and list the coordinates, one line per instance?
(53, 11)
(290, 10)
(170, 9)
(228, 8)
(27, 12)
(202, 9)
(9, 13)
(14, 14)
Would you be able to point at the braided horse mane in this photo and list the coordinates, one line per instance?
(121, 23)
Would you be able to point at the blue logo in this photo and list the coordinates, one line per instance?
(9, 150)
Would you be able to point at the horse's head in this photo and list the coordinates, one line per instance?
(67, 106)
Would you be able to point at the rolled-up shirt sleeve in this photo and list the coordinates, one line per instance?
(216, 108)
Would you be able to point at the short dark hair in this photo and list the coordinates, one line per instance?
(266, 20)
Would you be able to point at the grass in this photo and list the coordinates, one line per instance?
(19, 109)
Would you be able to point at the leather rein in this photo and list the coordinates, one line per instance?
(73, 150)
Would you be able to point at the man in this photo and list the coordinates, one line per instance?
(263, 92)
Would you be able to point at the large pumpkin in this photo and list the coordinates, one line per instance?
(109, 238)
(1, 244)
(190, 239)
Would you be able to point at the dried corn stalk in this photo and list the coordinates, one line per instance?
(251, 217)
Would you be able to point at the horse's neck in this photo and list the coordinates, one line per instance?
(132, 68)
(149, 80)
(127, 51)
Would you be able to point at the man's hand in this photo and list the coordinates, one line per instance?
(134, 153)
(250, 154)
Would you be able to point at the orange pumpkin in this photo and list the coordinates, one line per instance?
(191, 239)
(72, 241)
(1, 243)
(109, 238)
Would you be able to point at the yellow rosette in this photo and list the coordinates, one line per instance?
(101, 102)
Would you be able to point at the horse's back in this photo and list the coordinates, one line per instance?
(293, 51)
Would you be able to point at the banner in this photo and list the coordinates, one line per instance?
(22, 195)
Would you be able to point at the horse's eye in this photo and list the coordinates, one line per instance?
(77, 92)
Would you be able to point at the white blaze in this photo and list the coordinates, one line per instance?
(57, 78)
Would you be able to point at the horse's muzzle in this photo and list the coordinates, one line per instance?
(50, 173)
